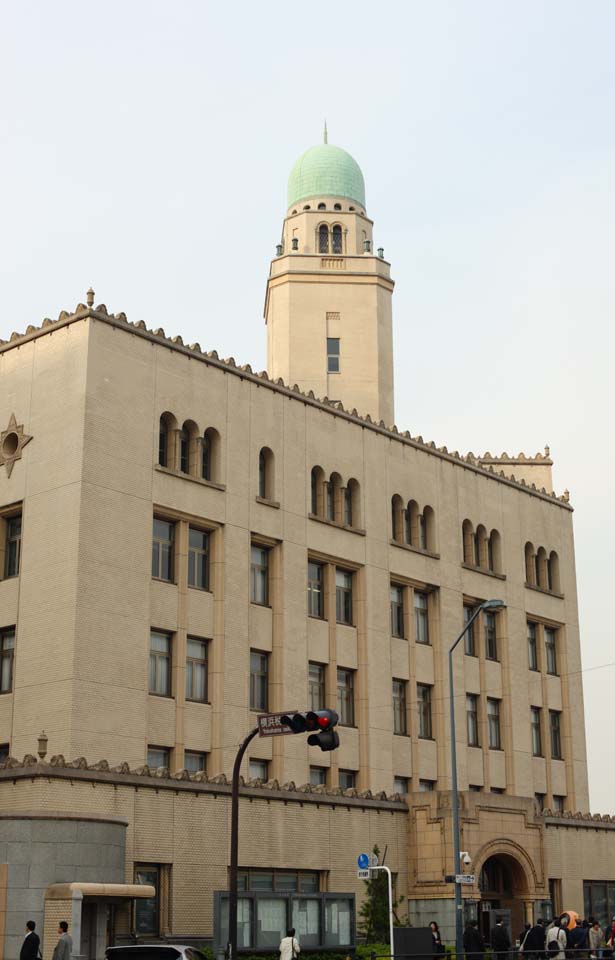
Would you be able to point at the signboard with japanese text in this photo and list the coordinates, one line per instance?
(269, 724)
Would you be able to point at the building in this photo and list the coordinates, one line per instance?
(187, 543)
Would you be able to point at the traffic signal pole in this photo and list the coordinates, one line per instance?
(232, 890)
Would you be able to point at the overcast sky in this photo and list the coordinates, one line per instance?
(145, 148)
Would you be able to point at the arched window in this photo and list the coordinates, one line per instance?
(165, 439)
(322, 206)
(530, 565)
(429, 529)
(336, 236)
(467, 531)
(541, 568)
(351, 504)
(397, 518)
(323, 238)
(481, 541)
(265, 474)
(334, 497)
(412, 523)
(188, 447)
(494, 552)
(553, 583)
(317, 484)
(337, 206)
(210, 454)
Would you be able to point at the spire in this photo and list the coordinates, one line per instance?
(324, 135)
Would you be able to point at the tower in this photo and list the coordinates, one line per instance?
(328, 303)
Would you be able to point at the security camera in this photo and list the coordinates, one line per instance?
(465, 858)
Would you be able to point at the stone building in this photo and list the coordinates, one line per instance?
(186, 543)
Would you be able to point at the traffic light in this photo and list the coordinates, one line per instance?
(319, 721)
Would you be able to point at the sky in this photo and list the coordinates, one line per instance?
(145, 149)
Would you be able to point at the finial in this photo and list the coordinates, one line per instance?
(547, 450)
(90, 297)
(324, 136)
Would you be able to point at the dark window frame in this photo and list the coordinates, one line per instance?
(316, 685)
(193, 663)
(532, 645)
(7, 658)
(421, 617)
(494, 722)
(550, 634)
(472, 720)
(424, 702)
(344, 597)
(259, 575)
(555, 731)
(398, 626)
(195, 563)
(345, 697)
(536, 731)
(163, 547)
(334, 354)
(155, 657)
(400, 714)
(259, 681)
(490, 626)
(12, 545)
(316, 590)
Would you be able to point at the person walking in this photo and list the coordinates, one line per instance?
(63, 949)
(596, 936)
(556, 941)
(289, 946)
(533, 946)
(472, 941)
(30, 948)
(500, 940)
(438, 946)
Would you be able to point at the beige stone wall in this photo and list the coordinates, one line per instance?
(578, 852)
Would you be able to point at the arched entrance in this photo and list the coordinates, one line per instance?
(503, 889)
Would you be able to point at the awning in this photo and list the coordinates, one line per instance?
(76, 891)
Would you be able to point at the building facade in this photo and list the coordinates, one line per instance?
(187, 544)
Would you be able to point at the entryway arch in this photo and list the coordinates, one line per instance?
(507, 886)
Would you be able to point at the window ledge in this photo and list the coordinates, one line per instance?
(255, 603)
(549, 593)
(192, 586)
(430, 739)
(161, 696)
(171, 583)
(268, 503)
(405, 736)
(188, 476)
(202, 703)
(411, 549)
(336, 523)
(487, 573)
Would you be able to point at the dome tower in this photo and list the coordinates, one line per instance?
(328, 303)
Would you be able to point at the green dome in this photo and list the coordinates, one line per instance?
(326, 171)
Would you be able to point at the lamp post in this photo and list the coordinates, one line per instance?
(486, 605)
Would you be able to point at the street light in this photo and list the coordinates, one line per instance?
(486, 605)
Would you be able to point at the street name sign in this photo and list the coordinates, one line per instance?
(467, 878)
(269, 724)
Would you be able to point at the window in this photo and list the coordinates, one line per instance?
(333, 355)
(423, 692)
(558, 803)
(532, 649)
(265, 474)
(158, 757)
(472, 719)
(4, 752)
(336, 238)
(196, 670)
(535, 721)
(195, 762)
(421, 618)
(322, 206)
(316, 686)
(468, 640)
(493, 719)
(599, 899)
(12, 554)
(198, 559)
(318, 776)
(556, 734)
(401, 785)
(345, 697)
(160, 663)
(491, 640)
(498, 790)
(540, 800)
(315, 590)
(209, 454)
(347, 779)
(7, 652)
(163, 442)
(323, 238)
(316, 490)
(259, 574)
(475, 788)
(330, 500)
(551, 650)
(162, 550)
(347, 505)
(184, 450)
(400, 725)
(343, 596)
(259, 675)
(427, 786)
(282, 881)
(397, 611)
(147, 911)
(258, 770)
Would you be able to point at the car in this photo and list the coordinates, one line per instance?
(153, 951)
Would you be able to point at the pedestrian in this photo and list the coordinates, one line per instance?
(63, 949)
(30, 948)
(533, 947)
(289, 946)
(556, 941)
(438, 946)
(472, 941)
(500, 940)
(596, 936)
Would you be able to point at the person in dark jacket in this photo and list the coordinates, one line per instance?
(500, 940)
(534, 944)
(30, 947)
(472, 941)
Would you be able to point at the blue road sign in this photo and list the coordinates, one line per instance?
(363, 861)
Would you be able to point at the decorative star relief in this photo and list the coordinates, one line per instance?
(12, 442)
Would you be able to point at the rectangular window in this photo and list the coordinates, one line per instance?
(158, 757)
(558, 803)
(493, 719)
(160, 663)
(472, 719)
(491, 639)
(423, 693)
(259, 673)
(347, 779)
(475, 788)
(147, 911)
(12, 554)
(258, 770)
(315, 590)
(333, 355)
(198, 559)
(427, 786)
(318, 776)
(162, 550)
(401, 785)
(194, 761)
(551, 650)
(345, 697)
(259, 575)
(7, 652)
(4, 752)
(343, 596)
(535, 716)
(316, 686)
(540, 800)
(196, 670)
(556, 734)
(400, 725)
(397, 611)
(468, 640)
(421, 618)
(532, 649)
